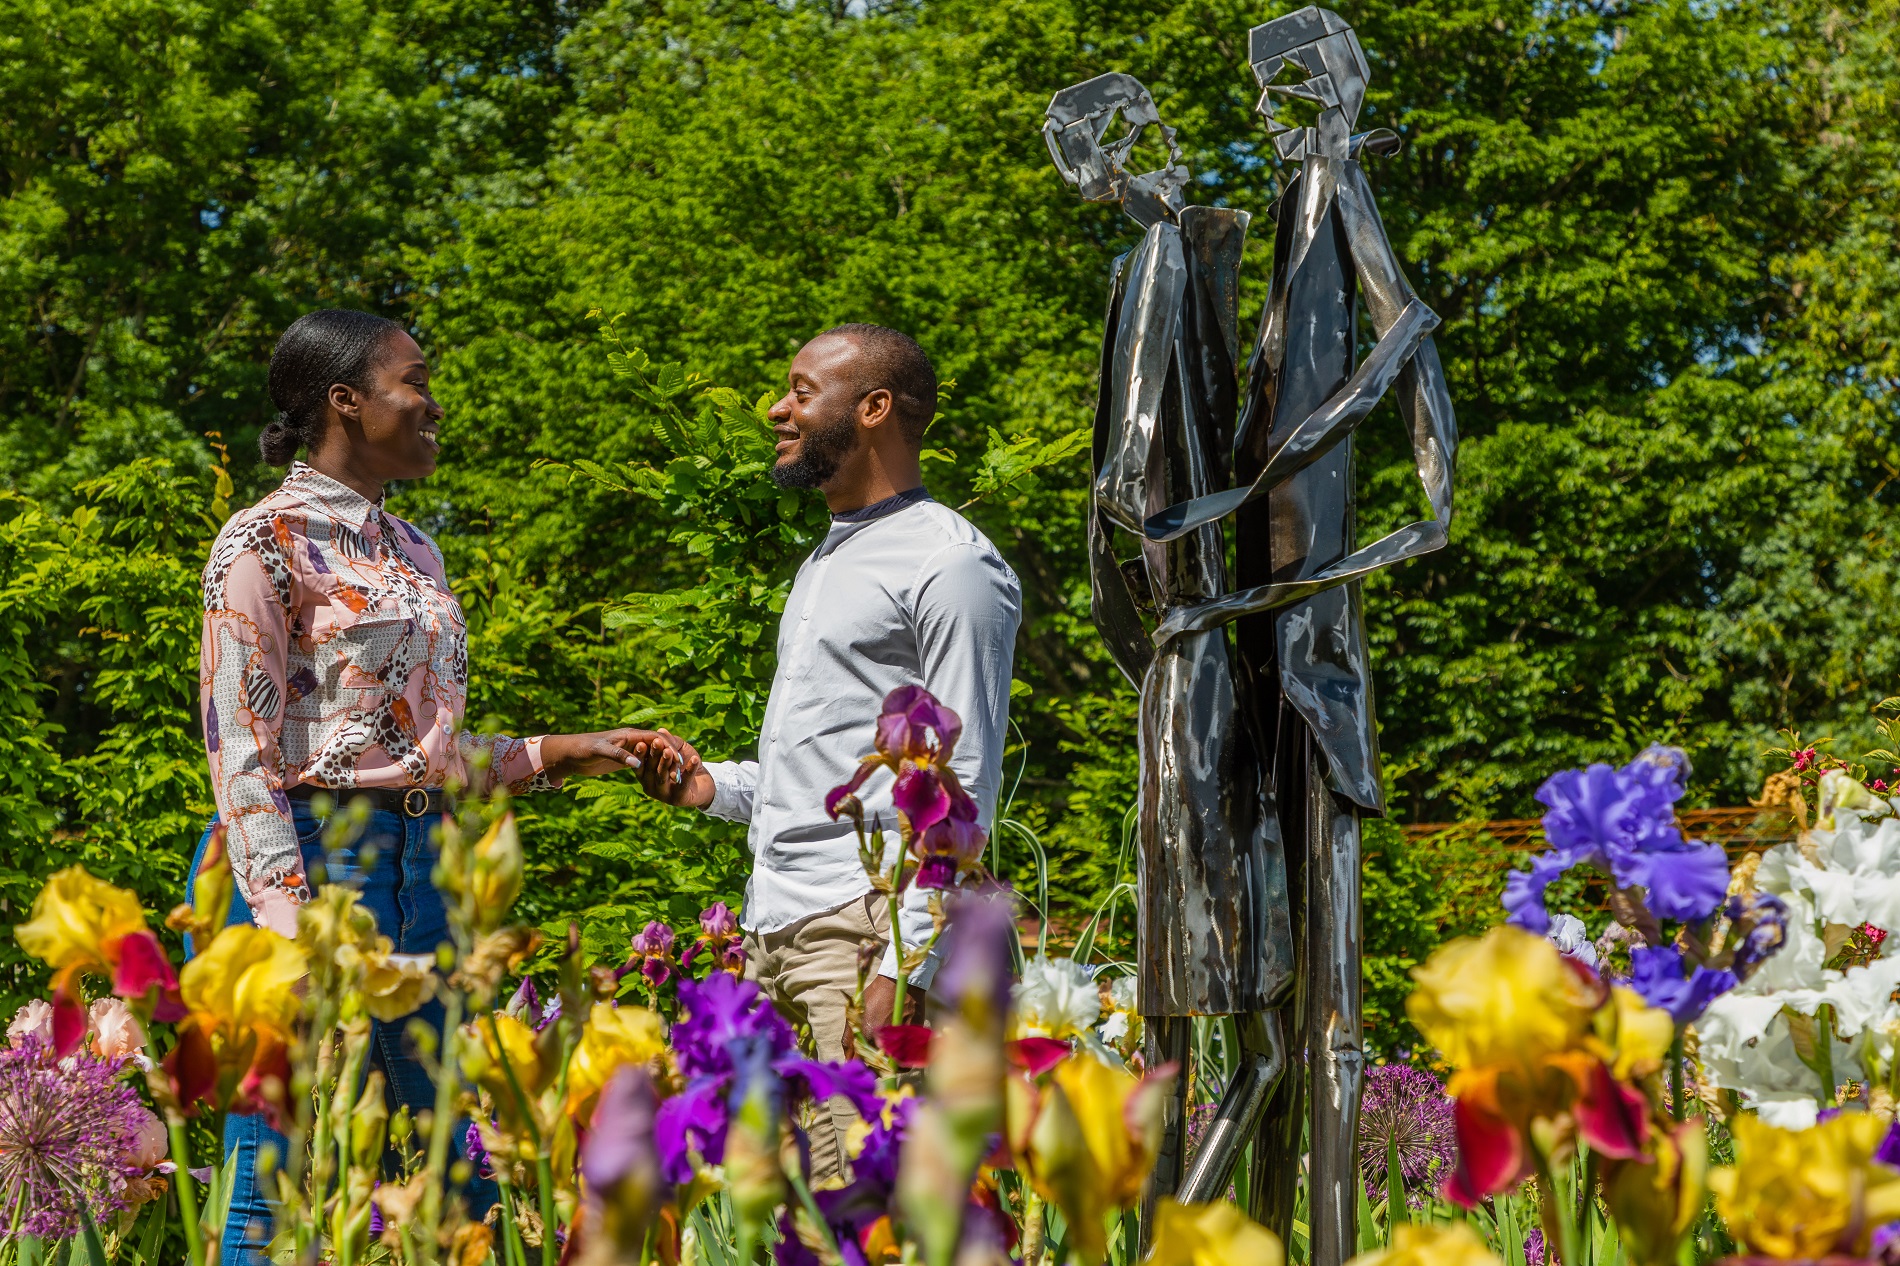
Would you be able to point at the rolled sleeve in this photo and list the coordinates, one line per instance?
(734, 782)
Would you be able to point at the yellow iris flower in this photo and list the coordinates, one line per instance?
(1448, 1244)
(1217, 1234)
(614, 1037)
(1506, 998)
(1087, 1142)
(78, 922)
(245, 981)
(1807, 1193)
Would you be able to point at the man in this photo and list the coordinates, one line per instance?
(902, 591)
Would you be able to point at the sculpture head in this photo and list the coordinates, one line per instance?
(1074, 127)
(1318, 42)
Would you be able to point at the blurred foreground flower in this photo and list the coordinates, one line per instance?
(1802, 1194)
(84, 925)
(1085, 1137)
(1215, 1234)
(1451, 1244)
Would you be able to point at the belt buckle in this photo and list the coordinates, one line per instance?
(415, 802)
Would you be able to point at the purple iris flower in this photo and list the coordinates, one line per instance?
(853, 1209)
(1760, 921)
(1622, 822)
(956, 841)
(725, 1020)
(1888, 1153)
(1656, 974)
(477, 1152)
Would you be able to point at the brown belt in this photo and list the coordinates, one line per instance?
(408, 802)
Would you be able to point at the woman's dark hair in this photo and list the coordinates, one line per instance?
(319, 350)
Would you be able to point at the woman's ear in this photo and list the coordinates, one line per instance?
(344, 399)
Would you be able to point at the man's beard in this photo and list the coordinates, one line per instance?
(821, 451)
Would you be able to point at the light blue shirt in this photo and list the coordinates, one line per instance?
(917, 596)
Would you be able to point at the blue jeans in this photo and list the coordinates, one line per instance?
(390, 864)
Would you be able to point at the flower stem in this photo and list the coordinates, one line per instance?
(1559, 1224)
(95, 1250)
(797, 1180)
(544, 1177)
(187, 1198)
(897, 942)
(1676, 1105)
(443, 1123)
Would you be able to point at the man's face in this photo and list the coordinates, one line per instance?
(816, 420)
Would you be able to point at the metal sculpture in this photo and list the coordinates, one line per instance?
(1268, 736)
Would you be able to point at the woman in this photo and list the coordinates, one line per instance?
(335, 663)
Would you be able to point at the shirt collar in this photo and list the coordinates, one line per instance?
(878, 509)
(341, 502)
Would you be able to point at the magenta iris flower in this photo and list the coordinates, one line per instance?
(653, 948)
(1623, 823)
(719, 936)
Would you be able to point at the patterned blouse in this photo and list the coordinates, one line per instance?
(334, 654)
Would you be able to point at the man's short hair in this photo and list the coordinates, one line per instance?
(892, 360)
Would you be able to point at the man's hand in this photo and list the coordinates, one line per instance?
(880, 997)
(673, 773)
(603, 752)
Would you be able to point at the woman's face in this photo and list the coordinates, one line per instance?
(391, 429)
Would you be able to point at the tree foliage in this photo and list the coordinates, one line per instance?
(1659, 233)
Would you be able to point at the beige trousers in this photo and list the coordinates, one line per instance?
(810, 970)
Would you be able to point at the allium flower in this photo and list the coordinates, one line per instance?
(1056, 998)
(1408, 1105)
(653, 949)
(1622, 822)
(719, 935)
(70, 1139)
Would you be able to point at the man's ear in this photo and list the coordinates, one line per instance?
(877, 408)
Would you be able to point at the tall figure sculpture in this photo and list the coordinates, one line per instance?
(1271, 737)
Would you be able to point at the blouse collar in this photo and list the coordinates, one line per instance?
(340, 501)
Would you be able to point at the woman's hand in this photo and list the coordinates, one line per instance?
(675, 775)
(603, 752)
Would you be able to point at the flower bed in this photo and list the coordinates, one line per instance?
(655, 1109)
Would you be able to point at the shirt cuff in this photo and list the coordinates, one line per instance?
(542, 780)
(276, 909)
(728, 798)
(926, 970)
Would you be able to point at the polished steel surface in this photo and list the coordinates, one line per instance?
(1238, 1116)
(1258, 727)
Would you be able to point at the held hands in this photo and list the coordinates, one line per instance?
(675, 775)
(603, 752)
